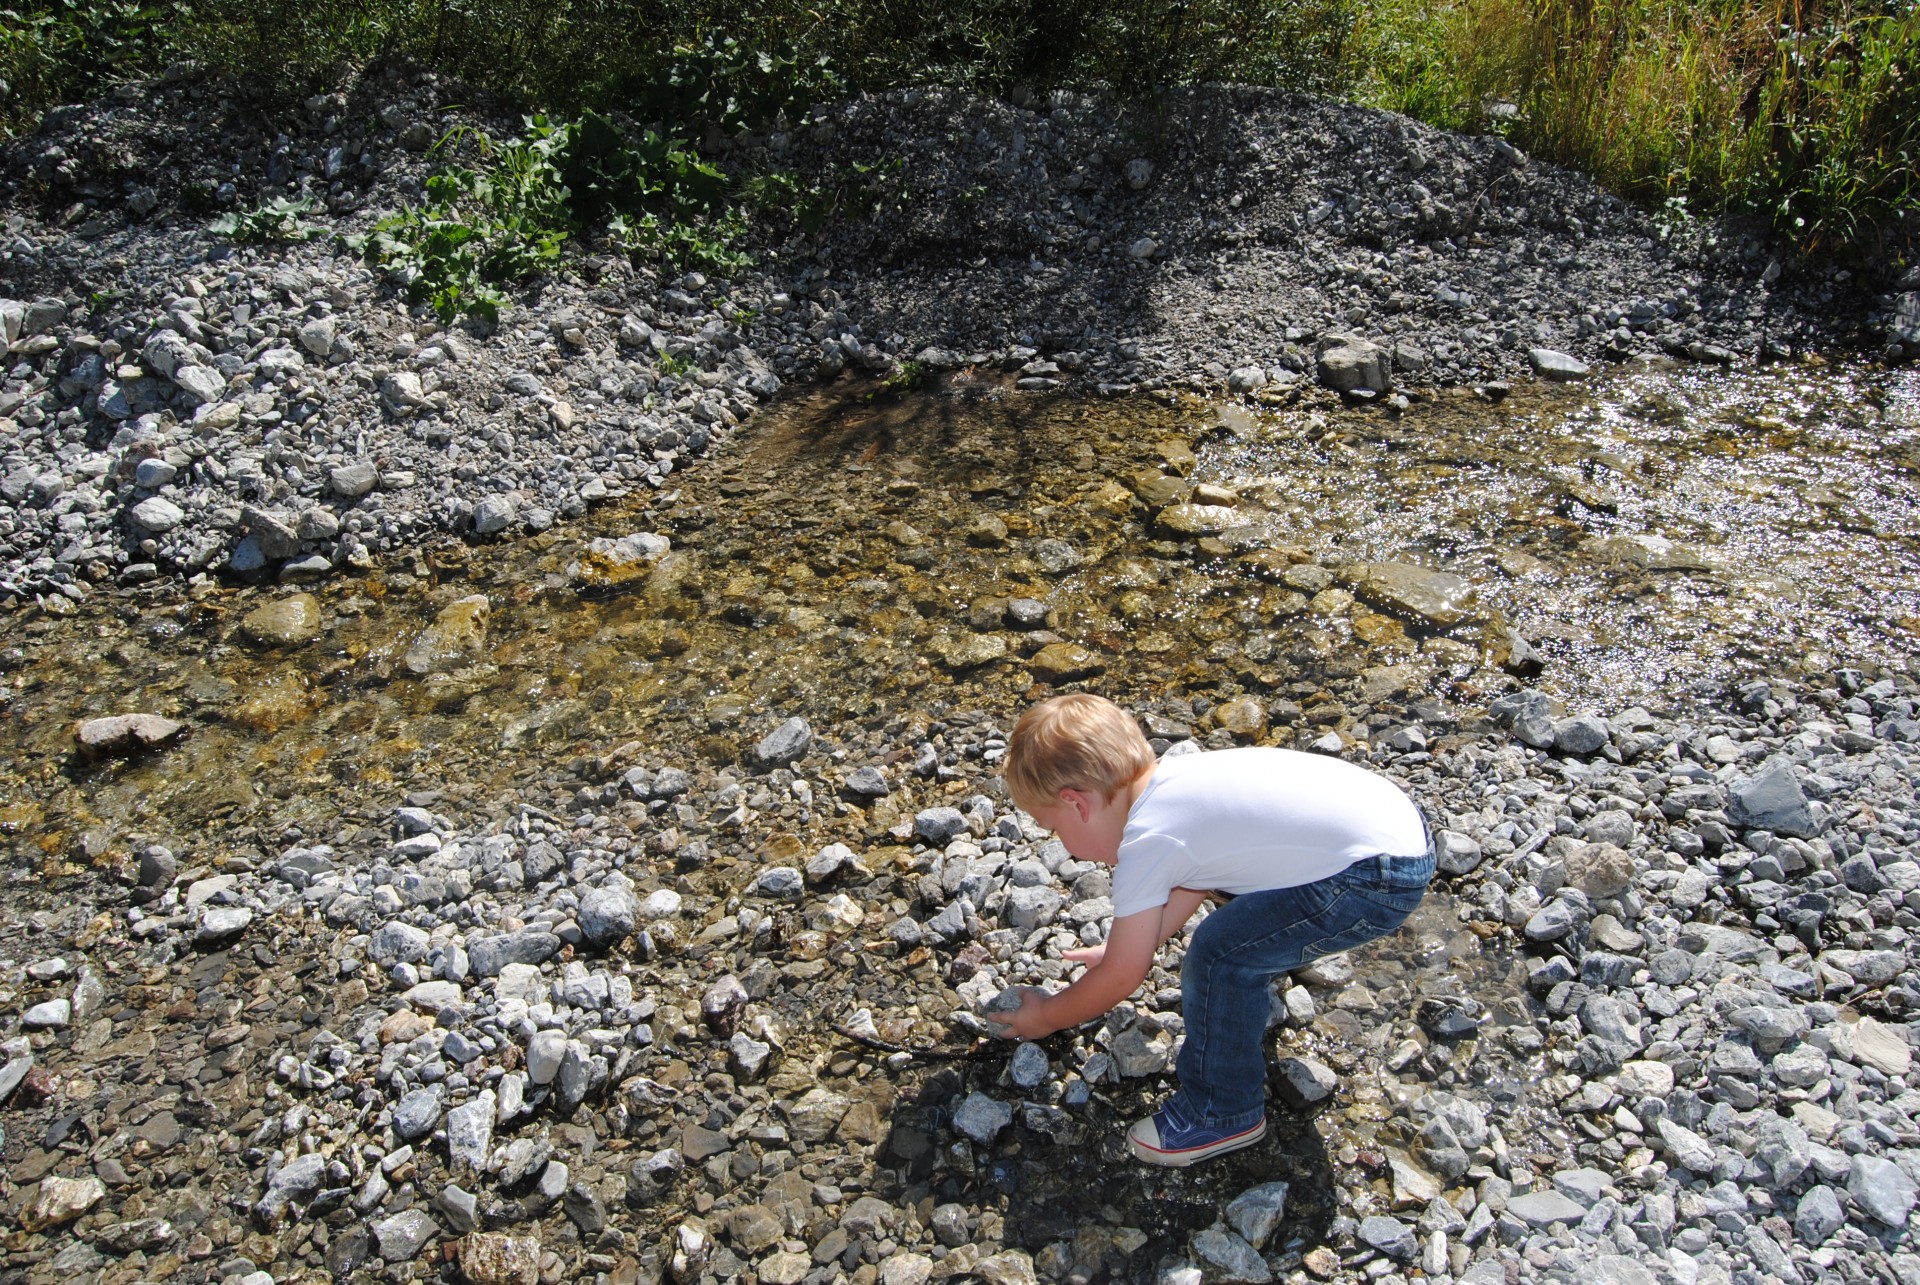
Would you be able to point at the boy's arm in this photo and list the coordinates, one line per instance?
(1181, 903)
(1118, 974)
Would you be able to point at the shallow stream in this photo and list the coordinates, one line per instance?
(850, 559)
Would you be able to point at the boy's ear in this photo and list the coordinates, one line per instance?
(1081, 801)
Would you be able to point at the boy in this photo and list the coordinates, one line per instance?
(1315, 855)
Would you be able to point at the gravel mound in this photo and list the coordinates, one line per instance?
(178, 404)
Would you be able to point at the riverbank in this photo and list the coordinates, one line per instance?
(514, 907)
(180, 404)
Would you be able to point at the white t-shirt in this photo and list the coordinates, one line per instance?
(1248, 820)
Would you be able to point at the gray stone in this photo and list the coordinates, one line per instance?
(1556, 367)
(1581, 735)
(1348, 363)
(747, 1056)
(1868, 967)
(1389, 1236)
(939, 826)
(607, 914)
(294, 1182)
(1455, 853)
(1227, 1257)
(459, 1207)
(785, 744)
(1030, 908)
(1553, 921)
(1772, 799)
(494, 514)
(395, 942)
(200, 383)
(1882, 1188)
(415, 1115)
(487, 956)
(1544, 1208)
(1818, 1215)
(404, 1235)
(982, 1118)
(351, 481)
(48, 1015)
(544, 1053)
(1137, 1052)
(220, 925)
(1304, 1081)
(1686, 1147)
(1028, 1068)
(1255, 1212)
(470, 1132)
(156, 515)
(783, 883)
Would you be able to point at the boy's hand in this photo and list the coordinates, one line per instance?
(1028, 1022)
(1088, 955)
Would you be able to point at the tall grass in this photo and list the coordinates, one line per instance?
(1808, 112)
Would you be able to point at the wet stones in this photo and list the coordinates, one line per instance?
(1438, 598)
(283, 622)
(120, 735)
(607, 561)
(1305, 1081)
(961, 652)
(456, 638)
(981, 1118)
(1191, 521)
(1065, 662)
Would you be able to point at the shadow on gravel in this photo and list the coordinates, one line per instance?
(1064, 1177)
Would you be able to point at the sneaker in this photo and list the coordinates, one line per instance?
(1165, 1138)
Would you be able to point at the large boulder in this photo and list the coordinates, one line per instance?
(1348, 364)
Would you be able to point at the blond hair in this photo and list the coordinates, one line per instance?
(1077, 742)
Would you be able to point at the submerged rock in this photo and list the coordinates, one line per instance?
(122, 734)
(1436, 597)
(456, 638)
(284, 622)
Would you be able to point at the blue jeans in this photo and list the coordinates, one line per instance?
(1242, 946)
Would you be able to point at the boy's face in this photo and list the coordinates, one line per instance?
(1077, 819)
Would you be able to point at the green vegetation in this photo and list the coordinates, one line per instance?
(1808, 112)
(277, 220)
(508, 215)
(1805, 110)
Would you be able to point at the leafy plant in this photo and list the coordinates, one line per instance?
(277, 220)
(508, 217)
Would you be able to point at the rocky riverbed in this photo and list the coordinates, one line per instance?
(616, 901)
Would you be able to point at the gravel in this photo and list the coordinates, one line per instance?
(597, 1028)
(175, 403)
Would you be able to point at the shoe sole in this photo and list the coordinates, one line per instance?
(1193, 1155)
